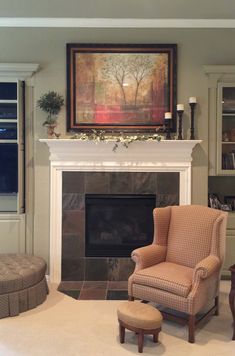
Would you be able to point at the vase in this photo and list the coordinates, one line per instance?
(51, 130)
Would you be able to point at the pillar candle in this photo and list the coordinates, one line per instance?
(192, 100)
(168, 115)
(180, 107)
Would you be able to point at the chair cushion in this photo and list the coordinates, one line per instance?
(166, 276)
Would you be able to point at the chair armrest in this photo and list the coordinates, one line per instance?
(206, 268)
(148, 256)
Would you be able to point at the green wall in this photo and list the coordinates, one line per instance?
(196, 47)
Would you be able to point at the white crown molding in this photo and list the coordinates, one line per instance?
(219, 69)
(18, 70)
(115, 22)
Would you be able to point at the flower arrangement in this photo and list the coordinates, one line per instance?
(51, 103)
(125, 139)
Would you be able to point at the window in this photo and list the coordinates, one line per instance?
(11, 147)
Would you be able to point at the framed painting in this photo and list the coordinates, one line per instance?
(120, 87)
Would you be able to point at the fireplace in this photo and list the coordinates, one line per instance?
(68, 155)
(116, 224)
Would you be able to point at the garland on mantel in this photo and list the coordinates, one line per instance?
(120, 138)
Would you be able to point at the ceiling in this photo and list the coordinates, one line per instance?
(186, 9)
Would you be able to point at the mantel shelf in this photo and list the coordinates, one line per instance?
(163, 151)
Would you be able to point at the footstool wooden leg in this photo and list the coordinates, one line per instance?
(121, 333)
(140, 341)
(155, 335)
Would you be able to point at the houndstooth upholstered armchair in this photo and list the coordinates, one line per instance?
(180, 270)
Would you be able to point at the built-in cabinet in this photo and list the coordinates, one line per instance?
(221, 141)
(226, 129)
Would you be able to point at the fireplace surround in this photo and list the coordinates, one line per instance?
(68, 155)
(122, 203)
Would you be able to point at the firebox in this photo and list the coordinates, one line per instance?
(116, 224)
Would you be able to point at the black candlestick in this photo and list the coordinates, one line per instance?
(192, 105)
(168, 130)
(180, 114)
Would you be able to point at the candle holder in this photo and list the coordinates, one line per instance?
(192, 105)
(168, 130)
(180, 114)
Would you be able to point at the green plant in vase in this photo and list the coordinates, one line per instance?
(51, 103)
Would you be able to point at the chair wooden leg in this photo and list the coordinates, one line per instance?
(140, 341)
(191, 329)
(130, 298)
(217, 306)
(121, 333)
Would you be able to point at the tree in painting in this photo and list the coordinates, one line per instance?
(140, 66)
(116, 67)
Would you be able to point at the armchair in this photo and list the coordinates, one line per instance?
(180, 270)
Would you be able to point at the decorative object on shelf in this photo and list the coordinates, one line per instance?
(168, 118)
(232, 297)
(232, 135)
(121, 138)
(192, 103)
(215, 203)
(125, 87)
(51, 103)
(225, 136)
(180, 111)
(230, 200)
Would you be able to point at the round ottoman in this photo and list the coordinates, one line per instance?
(23, 284)
(140, 318)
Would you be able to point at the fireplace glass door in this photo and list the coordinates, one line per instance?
(116, 224)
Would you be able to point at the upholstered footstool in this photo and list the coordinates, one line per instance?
(23, 284)
(140, 318)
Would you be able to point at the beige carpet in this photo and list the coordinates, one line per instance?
(65, 326)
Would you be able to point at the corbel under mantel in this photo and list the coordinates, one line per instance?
(91, 156)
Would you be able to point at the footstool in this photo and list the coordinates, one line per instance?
(23, 284)
(140, 318)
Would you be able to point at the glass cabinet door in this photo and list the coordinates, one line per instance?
(226, 129)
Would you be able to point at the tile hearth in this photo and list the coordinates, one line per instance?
(95, 290)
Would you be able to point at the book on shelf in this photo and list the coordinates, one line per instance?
(228, 160)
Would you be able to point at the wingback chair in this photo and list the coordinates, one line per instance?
(180, 270)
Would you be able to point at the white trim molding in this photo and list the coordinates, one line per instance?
(18, 70)
(89, 156)
(115, 22)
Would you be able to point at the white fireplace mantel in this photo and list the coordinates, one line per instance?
(140, 156)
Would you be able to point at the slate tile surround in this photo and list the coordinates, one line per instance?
(77, 267)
